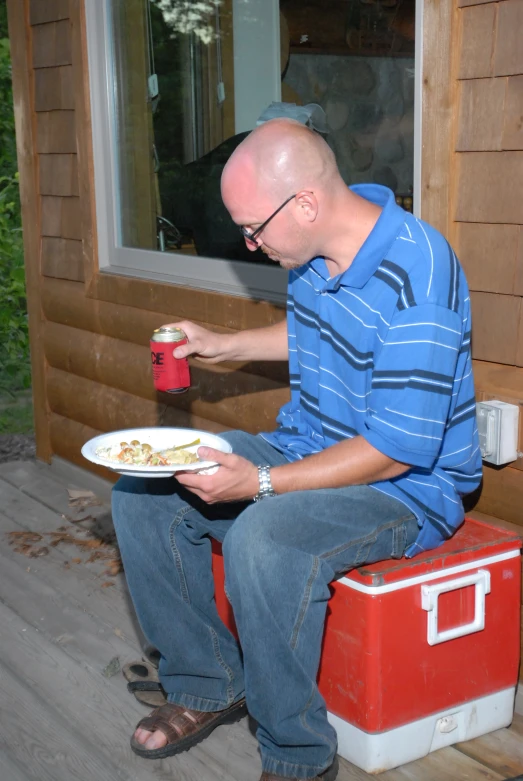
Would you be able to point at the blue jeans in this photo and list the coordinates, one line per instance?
(280, 555)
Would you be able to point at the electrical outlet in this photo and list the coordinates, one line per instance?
(498, 431)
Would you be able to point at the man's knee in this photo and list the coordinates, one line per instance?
(129, 502)
(237, 439)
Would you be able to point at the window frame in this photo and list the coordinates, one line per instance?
(230, 277)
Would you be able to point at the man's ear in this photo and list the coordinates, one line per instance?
(307, 205)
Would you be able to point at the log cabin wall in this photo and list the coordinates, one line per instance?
(487, 205)
(90, 331)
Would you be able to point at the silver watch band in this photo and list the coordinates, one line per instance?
(266, 489)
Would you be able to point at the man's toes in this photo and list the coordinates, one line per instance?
(157, 740)
(142, 735)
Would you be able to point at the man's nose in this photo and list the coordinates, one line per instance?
(252, 244)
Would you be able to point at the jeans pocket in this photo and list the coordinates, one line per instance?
(401, 536)
(399, 541)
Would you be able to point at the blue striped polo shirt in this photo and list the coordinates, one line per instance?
(383, 351)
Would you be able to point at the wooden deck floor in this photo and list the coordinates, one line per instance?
(62, 719)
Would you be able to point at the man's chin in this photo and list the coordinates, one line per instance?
(286, 263)
(289, 263)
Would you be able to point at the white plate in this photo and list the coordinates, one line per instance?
(159, 439)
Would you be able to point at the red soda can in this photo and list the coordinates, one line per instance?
(170, 374)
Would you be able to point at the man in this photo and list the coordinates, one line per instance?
(369, 461)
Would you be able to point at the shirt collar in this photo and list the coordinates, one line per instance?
(375, 246)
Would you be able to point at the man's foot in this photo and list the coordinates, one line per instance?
(328, 775)
(173, 728)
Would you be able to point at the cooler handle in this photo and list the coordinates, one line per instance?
(429, 602)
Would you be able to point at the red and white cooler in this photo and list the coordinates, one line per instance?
(420, 653)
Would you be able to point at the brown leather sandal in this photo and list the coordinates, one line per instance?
(183, 728)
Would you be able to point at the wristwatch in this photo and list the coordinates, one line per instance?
(266, 489)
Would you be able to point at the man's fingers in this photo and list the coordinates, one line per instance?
(184, 350)
(191, 480)
(211, 454)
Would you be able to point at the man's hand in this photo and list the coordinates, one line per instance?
(254, 344)
(207, 346)
(235, 480)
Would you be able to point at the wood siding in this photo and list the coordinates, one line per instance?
(90, 331)
(91, 346)
(487, 216)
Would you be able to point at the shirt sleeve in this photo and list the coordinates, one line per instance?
(413, 384)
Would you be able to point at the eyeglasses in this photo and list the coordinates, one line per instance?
(252, 236)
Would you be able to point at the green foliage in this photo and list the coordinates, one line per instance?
(14, 342)
(17, 418)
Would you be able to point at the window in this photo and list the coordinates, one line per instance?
(177, 84)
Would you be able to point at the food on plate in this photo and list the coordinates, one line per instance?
(142, 454)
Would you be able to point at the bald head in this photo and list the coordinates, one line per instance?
(278, 158)
(283, 186)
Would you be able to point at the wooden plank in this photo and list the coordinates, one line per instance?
(115, 409)
(64, 302)
(81, 635)
(501, 751)
(70, 474)
(52, 44)
(48, 485)
(519, 351)
(438, 116)
(10, 770)
(517, 725)
(230, 753)
(463, 3)
(488, 255)
(188, 303)
(508, 57)
(56, 678)
(67, 440)
(72, 220)
(518, 281)
(481, 116)
(58, 174)
(35, 735)
(477, 45)
(51, 216)
(84, 592)
(495, 321)
(495, 381)
(62, 258)
(502, 493)
(87, 219)
(109, 714)
(54, 88)
(497, 378)
(56, 132)
(513, 124)
(498, 176)
(442, 765)
(42, 11)
(227, 396)
(25, 141)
